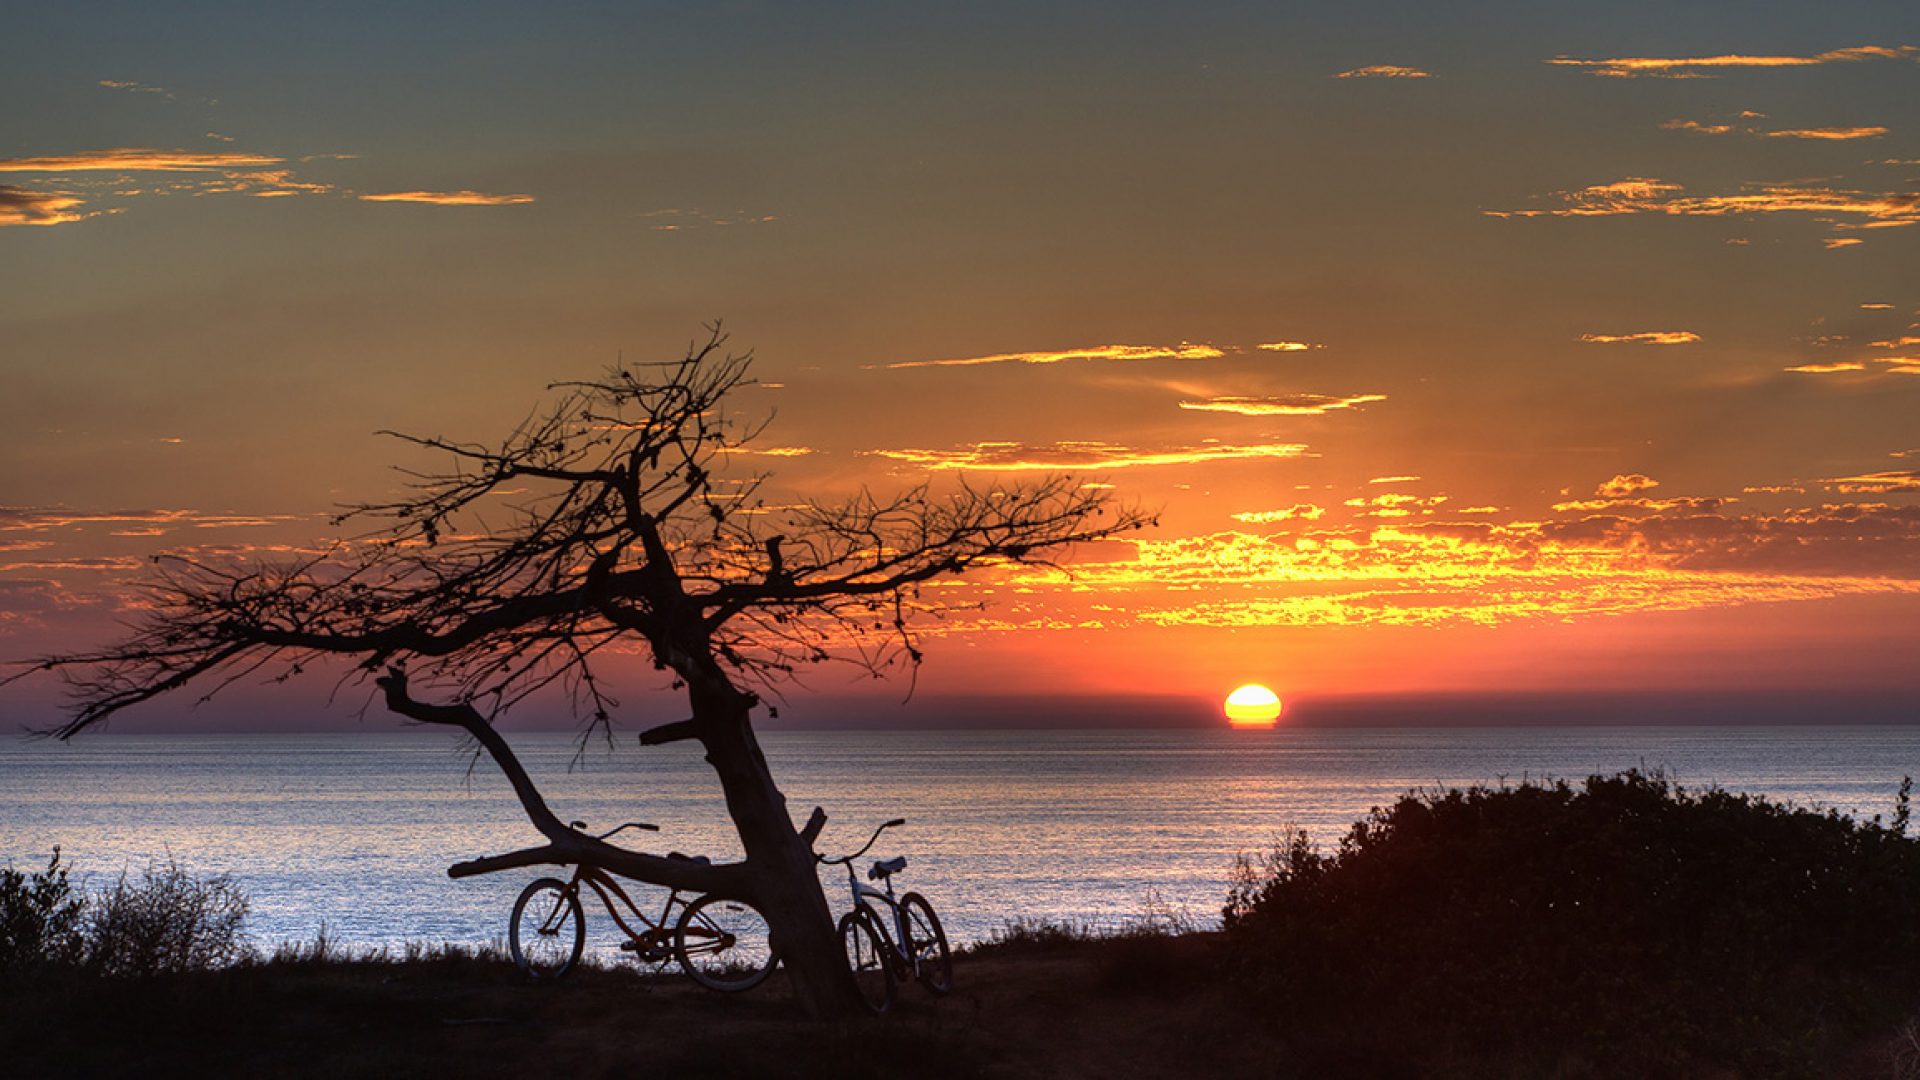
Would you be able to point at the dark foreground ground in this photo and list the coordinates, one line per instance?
(1085, 1009)
(1103, 1008)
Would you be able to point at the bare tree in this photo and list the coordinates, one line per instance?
(622, 529)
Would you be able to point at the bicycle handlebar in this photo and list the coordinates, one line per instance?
(822, 859)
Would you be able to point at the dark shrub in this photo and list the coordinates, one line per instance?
(1626, 923)
(39, 919)
(166, 922)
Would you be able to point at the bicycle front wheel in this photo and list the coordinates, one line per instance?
(864, 942)
(724, 945)
(927, 944)
(547, 931)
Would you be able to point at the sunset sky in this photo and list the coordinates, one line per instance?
(1461, 348)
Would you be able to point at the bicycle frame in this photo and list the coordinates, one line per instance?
(657, 937)
(895, 937)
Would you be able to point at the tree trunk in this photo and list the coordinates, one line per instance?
(784, 876)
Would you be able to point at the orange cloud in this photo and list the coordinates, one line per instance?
(1385, 71)
(1897, 343)
(132, 160)
(1021, 457)
(1834, 134)
(21, 206)
(1488, 573)
(446, 198)
(1395, 505)
(1697, 503)
(1880, 483)
(1182, 351)
(1828, 369)
(1393, 480)
(1644, 337)
(1287, 346)
(1641, 195)
(1296, 512)
(1701, 67)
(42, 518)
(1626, 484)
(1281, 405)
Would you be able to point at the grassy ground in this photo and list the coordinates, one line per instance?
(1039, 1007)
(1111, 1008)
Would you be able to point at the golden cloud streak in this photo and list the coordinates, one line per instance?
(1698, 67)
(1465, 573)
(1642, 195)
(1080, 456)
(1644, 337)
(131, 160)
(1287, 346)
(1385, 71)
(1880, 483)
(1296, 512)
(1828, 369)
(1833, 134)
(1182, 351)
(1281, 405)
(446, 198)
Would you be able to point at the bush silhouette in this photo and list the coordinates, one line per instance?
(39, 919)
(1627, 921)
(166, 922)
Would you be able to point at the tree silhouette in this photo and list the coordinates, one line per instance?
(621, 530)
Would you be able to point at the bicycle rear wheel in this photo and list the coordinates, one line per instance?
(864, 942)
(724, 945)
(927, 944)
(547, 931)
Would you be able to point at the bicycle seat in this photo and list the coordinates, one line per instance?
(700, 859)
(886, 868)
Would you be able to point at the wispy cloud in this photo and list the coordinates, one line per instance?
(134, 87)
(1082, 455)
(1281, 404)
(22, 206)
(1879, 483)
(1287, 346)
(1828, 369)
(1644, 337)
(446, 198)
(1642, 195)
(1385, 71)
(682, 220)
(1296, 512)
(1395, 504)
(1182, 351)
(1825, 134)
(44, 518)
(1626, 484)
(1394, 480)
(138, 160)
(1704, 67)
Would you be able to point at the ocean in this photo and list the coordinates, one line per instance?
(354, 831)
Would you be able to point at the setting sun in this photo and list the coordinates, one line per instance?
(1253, 706)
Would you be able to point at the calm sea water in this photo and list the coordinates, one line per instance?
(355, 831)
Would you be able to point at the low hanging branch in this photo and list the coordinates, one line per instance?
(624, 527)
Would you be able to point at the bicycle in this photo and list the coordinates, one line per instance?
(721, 944)
(877, 958)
